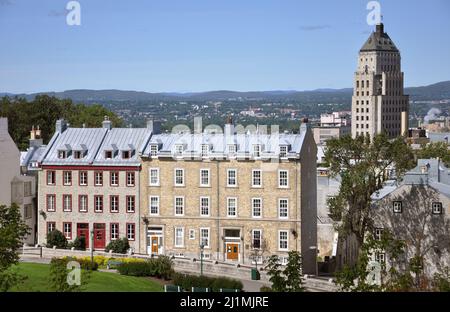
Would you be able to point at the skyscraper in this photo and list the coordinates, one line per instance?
(378, 102)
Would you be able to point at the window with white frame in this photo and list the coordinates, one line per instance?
(154, 205)
(78, 154)
(397, 206)
(98, 203)
(283, 179)
(114, 231)
(191, 234)
(126, 154)
(67, 228)
(179, 206)
(108, 154)
(232, 177)
(378, 234)
(256, 239)
(256, 178)
(232, 149)
(153, 150)
(83, 177)
(257, 150)
(67, 177)
(131, 177)
(51, 202)
(283, 208)
(256, 207)
(27, 189)
(131, 231)
(114, 203)
(83, 203)
(131, 203)
(283, 151)
(204, 206)
(179, 237)
(51, 177)
(153, 174)
(380, 257)
(204, 237)
(98, 178)
(231, 206)
(62, 154)
(114, 178)
(204, 177)
(436, 208)
(179, 177)
(51, 226)
(283, 240)
(205, 150)
(179, 149)
(67, 203)
(27, 209)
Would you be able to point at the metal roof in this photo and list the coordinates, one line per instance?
(379, 41)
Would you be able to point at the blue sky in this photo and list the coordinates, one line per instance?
(201, 45)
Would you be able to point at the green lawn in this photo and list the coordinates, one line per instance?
(99, 281)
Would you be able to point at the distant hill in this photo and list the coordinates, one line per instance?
(436, 91)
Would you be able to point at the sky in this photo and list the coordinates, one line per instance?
(202, 45)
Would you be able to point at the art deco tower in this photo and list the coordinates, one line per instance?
(378, 102)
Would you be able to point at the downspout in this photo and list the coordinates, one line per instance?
(218, 209)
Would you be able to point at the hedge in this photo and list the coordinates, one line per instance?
(187, 281)
(160, 267)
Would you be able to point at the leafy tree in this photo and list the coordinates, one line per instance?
(435, 150)
(12, 231)
(441, 281)
(293, 272)
(56, 238)
(59, 276)
(362, 164)
(275, 272)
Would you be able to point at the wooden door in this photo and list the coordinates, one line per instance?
(232, 251)
(99, 236)
(154, 244)
(83, 231)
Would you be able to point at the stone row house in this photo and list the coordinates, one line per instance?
(225, 194)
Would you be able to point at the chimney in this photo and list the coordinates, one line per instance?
(35, 137)
(154, 126)
(61, 125)
(106, 123)
(380, 29)
(229, 126)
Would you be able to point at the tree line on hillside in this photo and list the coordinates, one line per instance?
(44, 110)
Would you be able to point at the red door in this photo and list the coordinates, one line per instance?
(99, 235)
(83, 231)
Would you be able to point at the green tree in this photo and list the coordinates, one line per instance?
(12, 231)
(59, 276)
(435, 150)
(275, 273)
(293, 272)
(362, 164)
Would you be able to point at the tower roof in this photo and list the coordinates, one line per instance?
(379, 41)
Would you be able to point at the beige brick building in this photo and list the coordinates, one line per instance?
(230, 192)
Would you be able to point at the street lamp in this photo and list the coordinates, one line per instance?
(202, 247)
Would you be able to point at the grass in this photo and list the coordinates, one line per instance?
(99, 281)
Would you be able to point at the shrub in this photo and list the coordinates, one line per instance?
(58, 278)
(56, 238)
(79, 243)
(118, 246)
(265, 289)
(85, 263)
(187, 281)
(163, 267)
(159, 267)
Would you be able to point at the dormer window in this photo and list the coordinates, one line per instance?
(153, 150)
(78, 154)
(62, 154)
(179, 149)
(397, 207)
(257, 150)
(437, 208)
(108, 154)
(205, 150)
(126, 154)
(232, 148)
(283, 150)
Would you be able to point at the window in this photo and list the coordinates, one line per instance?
(114, 178)
(283, 240)
(51, 202)
(153, 150)
(231, 206)
(179, 149)
(179, 206)
(98, 203)
(179, 237)
(283, 208)
(179, 177)
(204, 206)
(67, 203)
(51, 177)
(256, 239)
(398, 207)
(67, 228)
(51, 226)
(205, 150)
(191, 234)
(283, 179)
(153, 176)
(27, 211)
(283, 151)
(231, 177)
(232, 149)
(130, 178)
(62, 154)
(67, 177)
(256, 178)
(204, 237)
(380, 257)
(98, 178)
(126, 154)
(378, 234)
(257, 150)
(437, 208)
(114, 231)
(114, 204)
(83, 203)
(131, 231)
(27, 188)
(77, 154)
(204, 177)
(131, 203)
(83, 178)
(256, 207)
(108, 154)
(154, 205)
